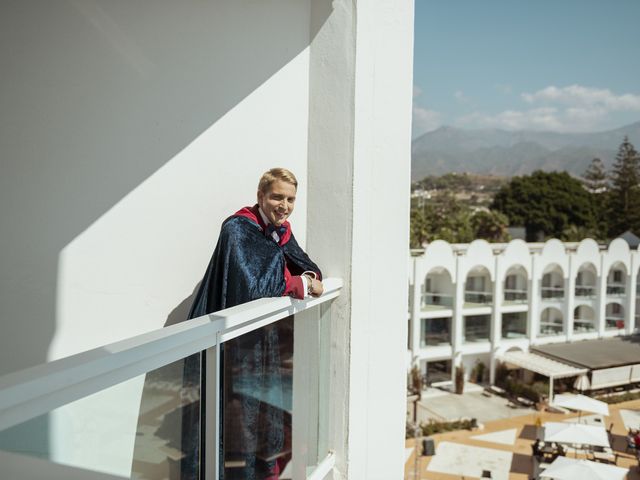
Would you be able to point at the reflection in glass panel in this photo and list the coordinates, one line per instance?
(551, 322)
(257, 401)
(135, 429)
(477, 288)
(436, 331)
(514, 325)
(552, 284)
(586, 281)
(476, 328)
(515, 285)
(438, 371)
(614, 316)
(438, 289)
(584, 319)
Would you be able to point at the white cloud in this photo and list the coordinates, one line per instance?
(424, 120)
(459, 95)
(577, 95)
(567, 109)
(545, 118)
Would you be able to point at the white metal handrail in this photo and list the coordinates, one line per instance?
(34, 391)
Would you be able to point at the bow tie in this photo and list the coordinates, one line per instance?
(272, 228)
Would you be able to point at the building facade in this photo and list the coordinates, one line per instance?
(472, 303)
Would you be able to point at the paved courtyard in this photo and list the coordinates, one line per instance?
(439, 405)
(504, 446)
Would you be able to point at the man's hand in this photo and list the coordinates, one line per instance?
(316, 287)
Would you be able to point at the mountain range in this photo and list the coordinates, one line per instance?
(508, 153)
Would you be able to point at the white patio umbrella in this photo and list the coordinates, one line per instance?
(570, 469)
(581, 403)
(582, 383)
(575, 433)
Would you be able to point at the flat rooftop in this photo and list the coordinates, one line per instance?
(595, 354)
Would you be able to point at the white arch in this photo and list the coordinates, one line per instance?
(553, 252)
(478, 285)
(438, 288)
(437, 254)
(584, 319)
(551, 322)
(618, 251)
(614, 316)
(479, 253)
(516, 284)
(516, 253)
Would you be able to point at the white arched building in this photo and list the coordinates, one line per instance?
(472, 303)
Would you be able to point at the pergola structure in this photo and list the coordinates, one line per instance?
(544, 366)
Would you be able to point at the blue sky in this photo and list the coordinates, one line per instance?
(554, 65)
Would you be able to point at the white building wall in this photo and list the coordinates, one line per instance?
(535, 259)
(130, 131)
(359, 151)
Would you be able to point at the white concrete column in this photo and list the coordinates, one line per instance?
(359, 160)
(458, 306)
(416, 307)
(602, 297)
(569, 295)
(630, 299)
(498, 295)
(631, 294)
(534, 297)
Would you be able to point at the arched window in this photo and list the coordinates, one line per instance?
(516, 285)
(614, 316)
(551, 322)
(552, 283)
(584, 319)
(438, 289)
(478, 287)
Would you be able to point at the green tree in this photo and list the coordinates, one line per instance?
(419, 232)
(595, 177)
(546, 204)
(445, 218)
(596, 181)
(491, 226)
(441, 218)
(624, 197)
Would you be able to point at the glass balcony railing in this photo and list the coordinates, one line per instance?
(614, 323)
(477, 328)
(615, 289)
(437, 300)
(515, 296)
(435, 331)
(483, 298)
(583, 325)
(514, 325)
(585, 291)
(551, 328)
(146, 408)
(552, 292)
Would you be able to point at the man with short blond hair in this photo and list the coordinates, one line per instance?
(257, 256)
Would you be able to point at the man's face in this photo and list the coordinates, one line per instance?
(277, 204)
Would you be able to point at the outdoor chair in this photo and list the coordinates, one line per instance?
(631, 445)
